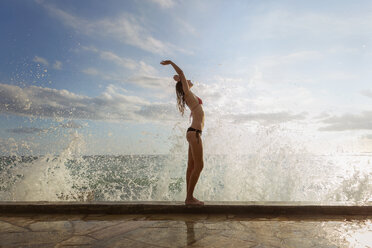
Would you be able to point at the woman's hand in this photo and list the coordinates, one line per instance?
(166, 62)
(176, 68)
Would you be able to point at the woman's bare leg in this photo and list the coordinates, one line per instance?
(197, 154)
(190, 168)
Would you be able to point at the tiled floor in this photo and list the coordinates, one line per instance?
(183, 231)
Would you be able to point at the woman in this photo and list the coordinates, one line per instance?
(195, 154)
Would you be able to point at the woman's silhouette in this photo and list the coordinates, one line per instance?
(195, 154)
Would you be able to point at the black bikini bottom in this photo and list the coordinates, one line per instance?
(197, 132)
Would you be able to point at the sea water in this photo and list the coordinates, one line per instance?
(276, 173)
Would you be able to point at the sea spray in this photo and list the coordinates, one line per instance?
(249, 164)
(44, 178)
(171, 183)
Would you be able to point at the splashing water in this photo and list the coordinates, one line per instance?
(276, 169)
(40, 178)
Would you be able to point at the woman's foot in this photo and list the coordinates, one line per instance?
(194, 201)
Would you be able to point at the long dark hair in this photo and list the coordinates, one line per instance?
(180, 97)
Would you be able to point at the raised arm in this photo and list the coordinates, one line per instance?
(185, 85)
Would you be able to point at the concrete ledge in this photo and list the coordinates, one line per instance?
(154, 207)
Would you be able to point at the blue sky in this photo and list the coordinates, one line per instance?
(90, 69)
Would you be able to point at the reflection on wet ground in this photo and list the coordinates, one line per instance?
(184, 230)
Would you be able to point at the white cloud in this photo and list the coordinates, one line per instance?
(146, 69)
(164, 3)
(345, 122)
(57, 65)
(151, 82)
(27, 130)
(367, 136)
(113, 104)
(41, 60)
(238, 101)
(127, 29)
(367, 93)
(102, 74)
(267, 118)
(127, 63)
(71, 124)
(253, 94)
(111, 56)
(281, 23)
(140, 67)
(295, 67)
(143, 74)
(91, 71)
(141, 78)
(323, 115)
(291, 58)
(185, 26)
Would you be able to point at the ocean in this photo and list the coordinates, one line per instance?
(255, 177)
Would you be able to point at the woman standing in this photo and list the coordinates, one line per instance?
(195, 154)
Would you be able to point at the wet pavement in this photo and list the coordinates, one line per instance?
(184, 230)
